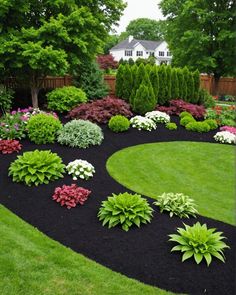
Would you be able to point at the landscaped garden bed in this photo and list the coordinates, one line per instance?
(141, 253)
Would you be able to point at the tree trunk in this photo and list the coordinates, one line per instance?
(34, 96)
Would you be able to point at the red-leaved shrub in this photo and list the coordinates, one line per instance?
(70, 195)
(107, 62)
(178, 105)
(101, 110)
(8, 146)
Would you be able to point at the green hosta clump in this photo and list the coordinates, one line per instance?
(125, 209)
(177, 204)
(43, 128)
(36, 167)
(199, 242)
(119, 123)
(80, 133)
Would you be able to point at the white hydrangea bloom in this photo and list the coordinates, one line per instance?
(142, 123)
(158, 117)
(225, 137)
(80, 168)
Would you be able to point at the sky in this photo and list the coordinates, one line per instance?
(139, 9)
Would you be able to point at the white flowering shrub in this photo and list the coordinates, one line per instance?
(80, 169)
(225, 137)
(142, 123)
(158, 117)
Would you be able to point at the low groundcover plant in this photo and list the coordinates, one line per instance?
(142, 123)
(70, 195)
(125, 209)
(36, 167)
(177, 204)
(80, 169)
(200, 242)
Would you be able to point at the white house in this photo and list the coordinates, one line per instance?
(133, 48)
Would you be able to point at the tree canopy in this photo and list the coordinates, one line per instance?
(201, 34)
(52, 37)
(144, 29)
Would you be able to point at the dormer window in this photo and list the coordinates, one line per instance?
(161, 53)
(128, 53)
(139, 53)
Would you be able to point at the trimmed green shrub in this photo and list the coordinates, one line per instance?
(43, 128)
(119, 123)
(119, 81)
(212, 123)
(186, 120)
(171, 126)
(204, 98)
(65, 98)
(199, 242)
(6, 97)
(144, 100)
(37, 167)
(185, 114)
(125, 209)
(197, 126)
(80, 133)
(176, 204)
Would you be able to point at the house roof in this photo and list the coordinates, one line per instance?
(148, 45)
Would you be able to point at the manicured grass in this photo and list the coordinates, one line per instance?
(33, 264)
(223, 102)
(204, 171)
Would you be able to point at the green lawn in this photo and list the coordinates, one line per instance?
(204, 171)
(33, 264)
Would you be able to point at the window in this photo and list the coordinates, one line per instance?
(139, 53)
(168, 53)
(128, 52)
(161, 53)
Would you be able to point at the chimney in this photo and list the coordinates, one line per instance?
(130, 38)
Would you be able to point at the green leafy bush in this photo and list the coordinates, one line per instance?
(6, 97)
(171, 126)
(125, 209)
(200, 242)
(65, 98)
(36, 167)
(212, 123)
(186, 120)
(184, 114)
(177, 204)
(80, 133)
(198, 126)
(206, 99)
(43, 128)
(119, 123)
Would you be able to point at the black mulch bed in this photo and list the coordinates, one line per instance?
(142, 254)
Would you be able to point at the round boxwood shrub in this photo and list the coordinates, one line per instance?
(184, 114)
(171, 126)
(198, 126)
(80, 133)
(125, 209)
(212, 123)
(36, 167)
(185, 120)
(43, 128)
(65, 98)
(119, 123)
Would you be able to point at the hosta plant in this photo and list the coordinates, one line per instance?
(80, 133)
(37, 167)
(142, 123)
(80, 169)
(176, 204)
(70, 195)
(199, 242)
(8, 146)
(225, 137)
(158, 117)
(125, 209)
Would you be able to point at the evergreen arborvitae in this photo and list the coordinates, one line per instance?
(162, 84)
(168, 83)
(131, 61)
(148, 68)
(191, 88)
(180, 77)
(174, 84)
(119, 81)
(137, 80)
(196, 79)
(127, 82)
(144, 100)
(187, 79)
(154, 78)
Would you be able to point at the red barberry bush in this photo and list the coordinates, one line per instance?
(101, 110)
(8, 146)
(70, 195)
